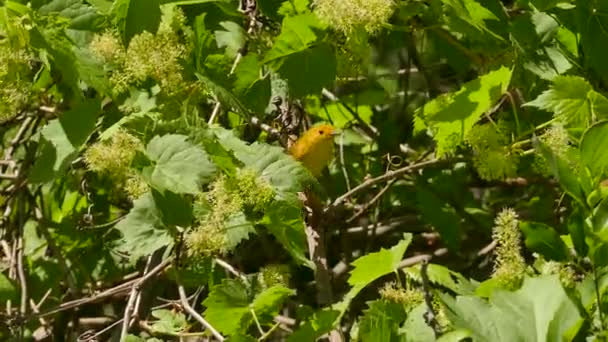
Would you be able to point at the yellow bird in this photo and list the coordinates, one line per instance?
(315, 148)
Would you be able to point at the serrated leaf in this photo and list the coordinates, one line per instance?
(441, 275)
(81, 15)
(415, 328)
(62, 138)
(592, 23)
(594, 149)
(451, 116)
(143, 230)
(268, 303)
(563, 172)
(169, 322)
(310, 70)
(127, 16)
(229, 305)
(238, 228)
(232, 38)
(251, 85)
(572, 100)
(381, 321)
(472, 13)
(286, 223)
(224, 95)
(372, 266)
(321, 323)
(543, 239)
(180, 166)
(539, 311)
(298, 33)
(284, 174)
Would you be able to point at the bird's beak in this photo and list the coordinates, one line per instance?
(336, 132)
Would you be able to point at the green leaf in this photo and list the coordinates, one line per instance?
(562, 170)
(169, 322)
(543, 239)
(250, 85)
(451, 116)
(573, 100)
(443, 276)
(576, 228)
(82, 16)
(539, 311)
(8, 290)
(592, 24)
(372, 266)
(143, 230)
(232, 38)
(321, 323)
(381, 321)
(129, 16)
(308, 71)
(594, 149)
(224, 96)
(298, 33)
(238, 228)
(286, 222)
(62, 138)
(179, 165)
(286, 175)
(472, 13)
(440, 214)
(415, 328)
(229, 306)
(267, 304)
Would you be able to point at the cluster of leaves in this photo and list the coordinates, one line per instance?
(143, 133)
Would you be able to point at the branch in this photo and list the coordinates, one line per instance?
(193, 313)
(385, 177)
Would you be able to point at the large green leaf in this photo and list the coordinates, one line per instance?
(232, 38)
(143, 230)
(592, 23)
(286, 222)
(229, 306)
(539, 311)
(250, 85)
(321, 323)
(372, 266)
(62, 138)
(308, 71)
(415, 328)
(562, 170)
(81, 15)
(594, 148)
(544, 240)
(285, 174)
(179, 166)
(381, 321)
(136, 16)
(573, 100)
(440, 214)
(451, 116)
(298, 33)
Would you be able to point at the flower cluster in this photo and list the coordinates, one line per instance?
(346, 15)
(14, 89)
(148, 56)
(272, 275)
(509, 264)
(245, 193)
(410, 297)
(492, 157)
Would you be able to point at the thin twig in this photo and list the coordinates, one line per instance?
(371, 202)
(133, 297)
(385, 177)
(230, 269)
(193, 313)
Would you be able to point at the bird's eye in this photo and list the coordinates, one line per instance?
(321, 132)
